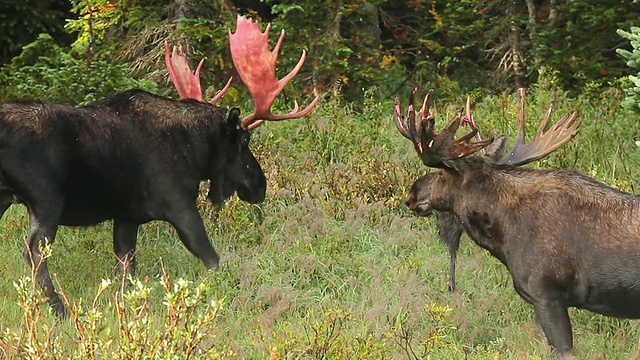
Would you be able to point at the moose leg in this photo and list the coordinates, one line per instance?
(452, 269)
(6, 199)
(4, 205)
(193, 235)
(125, 235)
(553, 317)
(43, 229)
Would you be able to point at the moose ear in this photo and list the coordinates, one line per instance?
(233, 118)
(457, 167)
(495, 150)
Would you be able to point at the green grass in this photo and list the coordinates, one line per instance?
(332, 264)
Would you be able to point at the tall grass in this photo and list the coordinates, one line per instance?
(331, 265)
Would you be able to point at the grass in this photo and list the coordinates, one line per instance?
(332, 265)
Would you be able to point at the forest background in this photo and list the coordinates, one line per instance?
(332, 264)
(465, 47)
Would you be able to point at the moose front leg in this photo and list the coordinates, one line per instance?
(193, 235)
(125, 235)
(43, 230)
(6, 199)
(553, 318)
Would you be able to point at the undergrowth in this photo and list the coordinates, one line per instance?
(331, 266)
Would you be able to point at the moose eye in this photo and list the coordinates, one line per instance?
(244, 139)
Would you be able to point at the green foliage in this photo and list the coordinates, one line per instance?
(96, 19)
(22, 20)
(632, 87)
(122, 327)
(46, 72)
(332, 264)
(459, 47)
(578, 43)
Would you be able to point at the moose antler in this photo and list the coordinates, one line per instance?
(543, 143)
(187, 83)
(433, 147)
(256, 66)
(414, 129)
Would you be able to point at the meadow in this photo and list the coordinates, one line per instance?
(331, 266)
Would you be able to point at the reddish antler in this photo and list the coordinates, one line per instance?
(256, 66)
(433, 147)
(425, 121)
(543, 143)
(187, 83)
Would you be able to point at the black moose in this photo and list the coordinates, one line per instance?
(137, 157)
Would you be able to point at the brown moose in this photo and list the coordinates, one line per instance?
(566, 239)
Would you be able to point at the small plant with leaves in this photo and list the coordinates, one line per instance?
(125, 326)
(632, 101)
(49, 73)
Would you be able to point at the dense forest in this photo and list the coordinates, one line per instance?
(76, 51)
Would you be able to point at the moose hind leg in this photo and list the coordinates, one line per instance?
(553, 318)
(43, 230)
(6, 199)
(125, 235)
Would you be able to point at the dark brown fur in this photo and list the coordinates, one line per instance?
(566, 239)
(133, 158)
(450, 229)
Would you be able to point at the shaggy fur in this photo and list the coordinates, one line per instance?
(566, 239)
(133, 158)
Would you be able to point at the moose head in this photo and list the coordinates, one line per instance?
(442, 150)
(239, 171)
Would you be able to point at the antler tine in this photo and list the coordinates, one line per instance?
(443, 147)
(521, 115)
(186, 82)
(400, 120)
(416, 125)
(221, 92)
(545, 121)
(426, 115)
(468, 118)
(543, 143)
(458, 148)
(413, 122)
(435, 148)
(256, 65)
(426, 125)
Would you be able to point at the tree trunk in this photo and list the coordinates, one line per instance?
(516, 61)
(371, 27)
(515, 46)
(541, 14)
